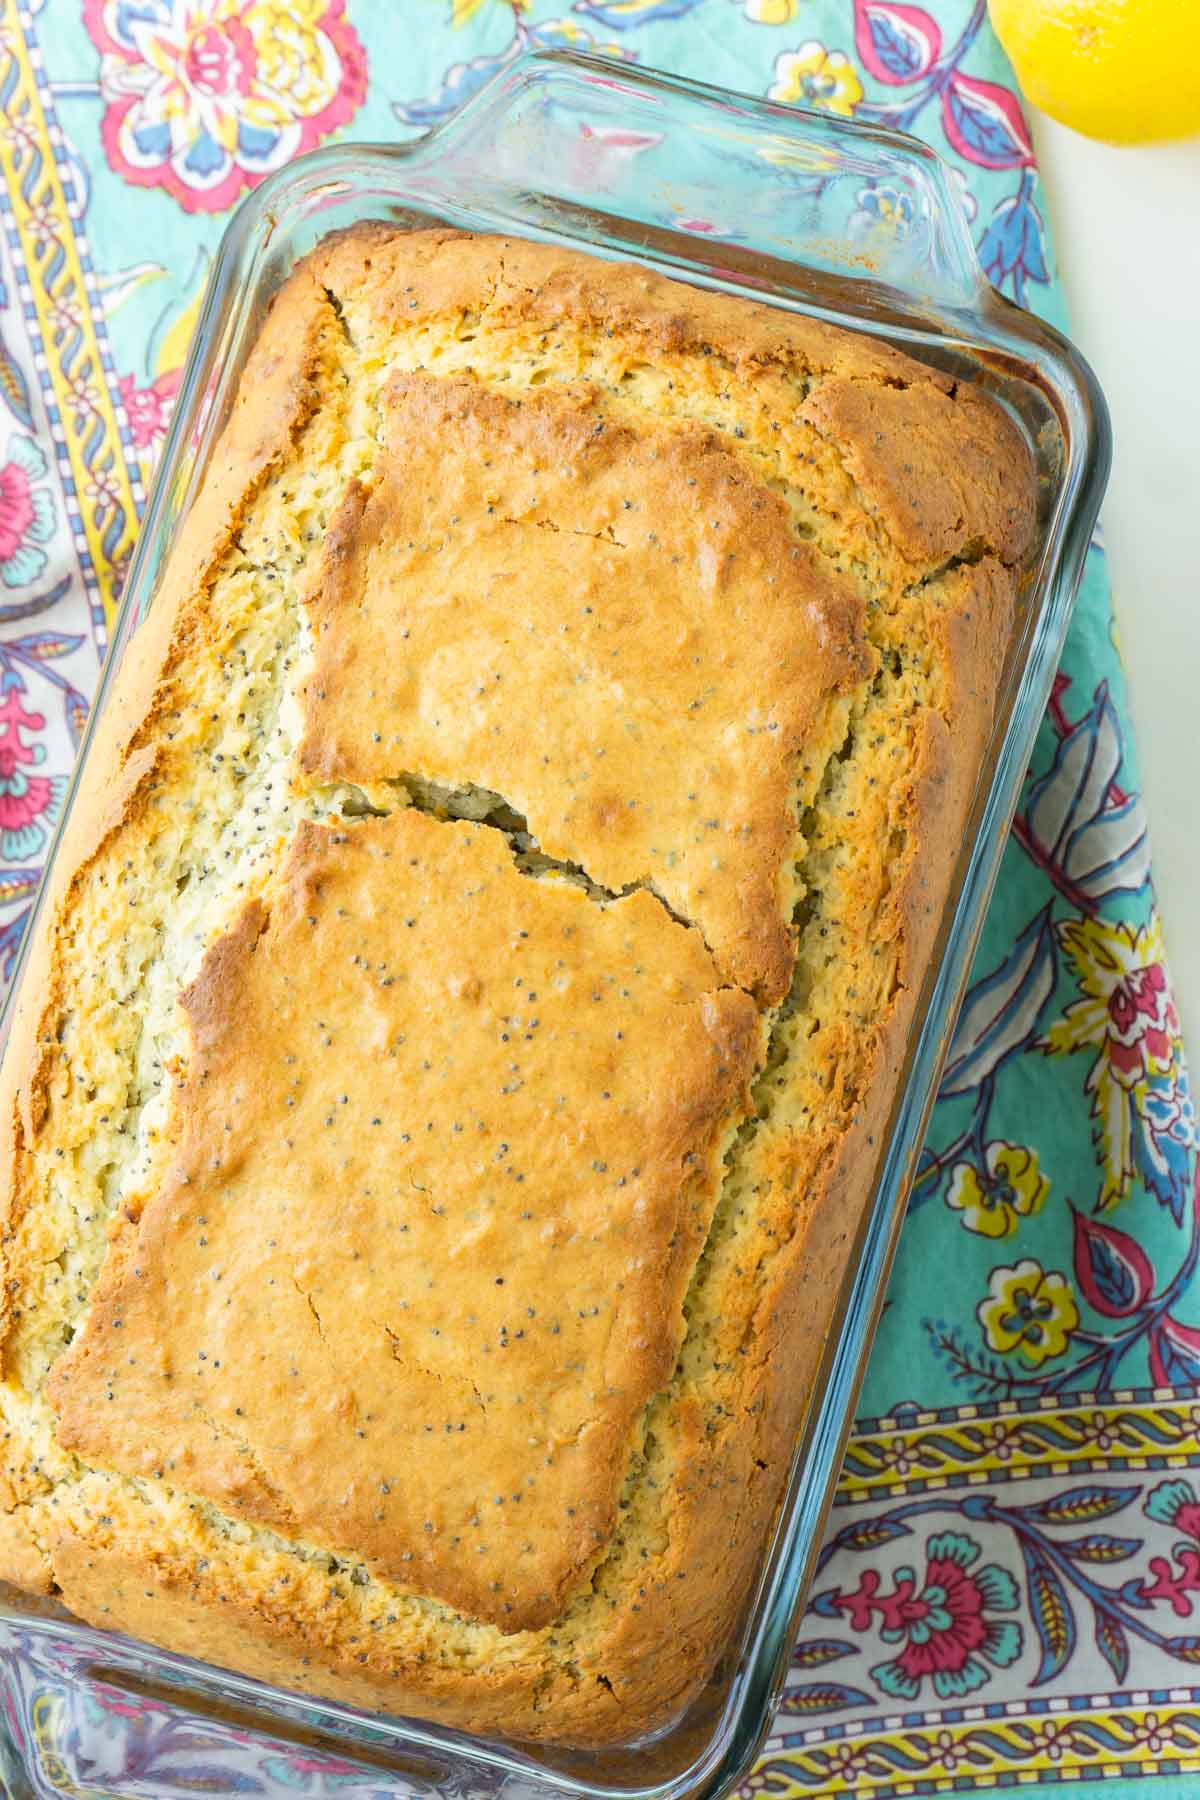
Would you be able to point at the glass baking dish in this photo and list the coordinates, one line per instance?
(752, 199)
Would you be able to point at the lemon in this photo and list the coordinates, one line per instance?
(1127, 71)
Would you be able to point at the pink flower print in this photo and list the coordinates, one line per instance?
(1138, 1081)
(1141, 1018)
(108, 1702)
(28, 803)
(943, 1622)
(1176, 1585)
(149, 409)
(206, 97)
(220, 59)
(1177, 1504)
(1127, 1010)
(16, 509)
(26, 513)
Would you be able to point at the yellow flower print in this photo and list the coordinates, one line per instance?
(1029, 1309)
(1127, 1015)
(771, 12)
(1008, 1187)
(291, 56)
(814, 76)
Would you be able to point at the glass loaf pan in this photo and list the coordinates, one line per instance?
(525, 156)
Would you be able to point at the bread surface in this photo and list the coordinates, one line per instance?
(452, 1066)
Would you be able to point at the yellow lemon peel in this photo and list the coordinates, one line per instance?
(1125, 71)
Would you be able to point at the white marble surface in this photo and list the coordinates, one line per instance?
(1127, 231)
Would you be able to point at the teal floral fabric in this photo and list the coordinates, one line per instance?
(1011, 1584)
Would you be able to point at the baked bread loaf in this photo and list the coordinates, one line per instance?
(456, 1049)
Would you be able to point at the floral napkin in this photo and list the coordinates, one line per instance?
(1010, 1592)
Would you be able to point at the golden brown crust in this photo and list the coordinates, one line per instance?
(491, 1084)
(447, 273)
(279, 388)
(799, 624)
(892, 447)
(636, 676)
(25, 1562)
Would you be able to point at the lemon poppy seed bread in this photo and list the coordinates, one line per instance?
(453, 1059)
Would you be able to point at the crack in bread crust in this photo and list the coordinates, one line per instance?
(487, 808)
(193, 812)
(486, 1087)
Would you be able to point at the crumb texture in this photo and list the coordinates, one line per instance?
(451, 1069)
